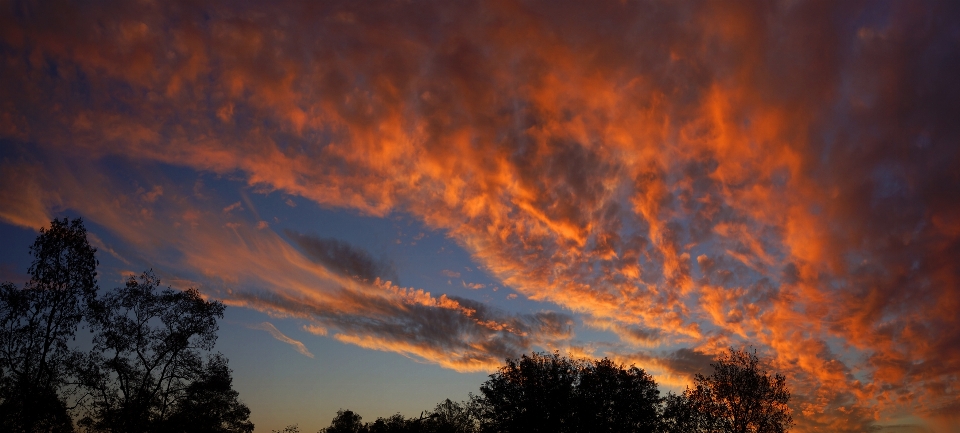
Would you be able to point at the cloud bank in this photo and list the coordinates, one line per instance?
(691, 175)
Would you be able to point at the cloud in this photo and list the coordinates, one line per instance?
(456, 333)
(696, 176)
(232, 207)
(267, 326)
(344, 258)
(449, 273)
(473, 286)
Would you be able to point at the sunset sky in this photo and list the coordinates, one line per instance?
(394, 196)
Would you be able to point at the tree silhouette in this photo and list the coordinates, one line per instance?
(36, 325)
(679, 415)
(146, 369)
(392, 424)
(346, 421)
(552, 393)
(611, 398)
(210, 404)
(451, 417)
(533, 393)
(739, 397)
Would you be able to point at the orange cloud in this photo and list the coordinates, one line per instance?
(275, 333)
(683, 176)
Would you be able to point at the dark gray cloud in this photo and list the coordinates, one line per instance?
(342, 257)
(457, 333)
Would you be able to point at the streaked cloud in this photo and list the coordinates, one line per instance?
(344, 258)
(275, 333)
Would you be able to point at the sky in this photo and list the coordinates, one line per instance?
(392, 197)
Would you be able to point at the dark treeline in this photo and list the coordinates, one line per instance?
(552, 393)
(149, 368)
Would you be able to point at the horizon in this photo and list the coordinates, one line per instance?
(393, 197)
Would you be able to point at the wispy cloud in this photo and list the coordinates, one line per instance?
(298, 346)
(340, 256)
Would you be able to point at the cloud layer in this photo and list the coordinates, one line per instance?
(686, 175)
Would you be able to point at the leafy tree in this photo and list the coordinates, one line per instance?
(210, 404)
(552, 393)
(450, 417)
(393, 424)
(146, 368)
(37, 323)
(533, 393)
(678, 415)
(346, 421)
(740, 397)
(611, 398)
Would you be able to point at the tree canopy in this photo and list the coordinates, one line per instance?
(147, 353)
(553, 393)
(740, 397)
(150, 368)
(558, 394)
(37, 325)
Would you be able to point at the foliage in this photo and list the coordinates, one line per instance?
(393, 424)
(447, 417)
(557, 394)
(145, 371)
(679, 415)
(739, 397)
(37, 323)
(552, 393)
(452, 417)
(346, 421)
(611, 398)
(146, 366)
(531, 392)
(210, 404)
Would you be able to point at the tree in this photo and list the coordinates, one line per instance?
(394, 424)
(739, 397)
(210, 404)
(146, 368)
(612, 398)
(450, 417)
(36, 325)
(531, 394)
(678, 415)
(346, 421)
(552, 393)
